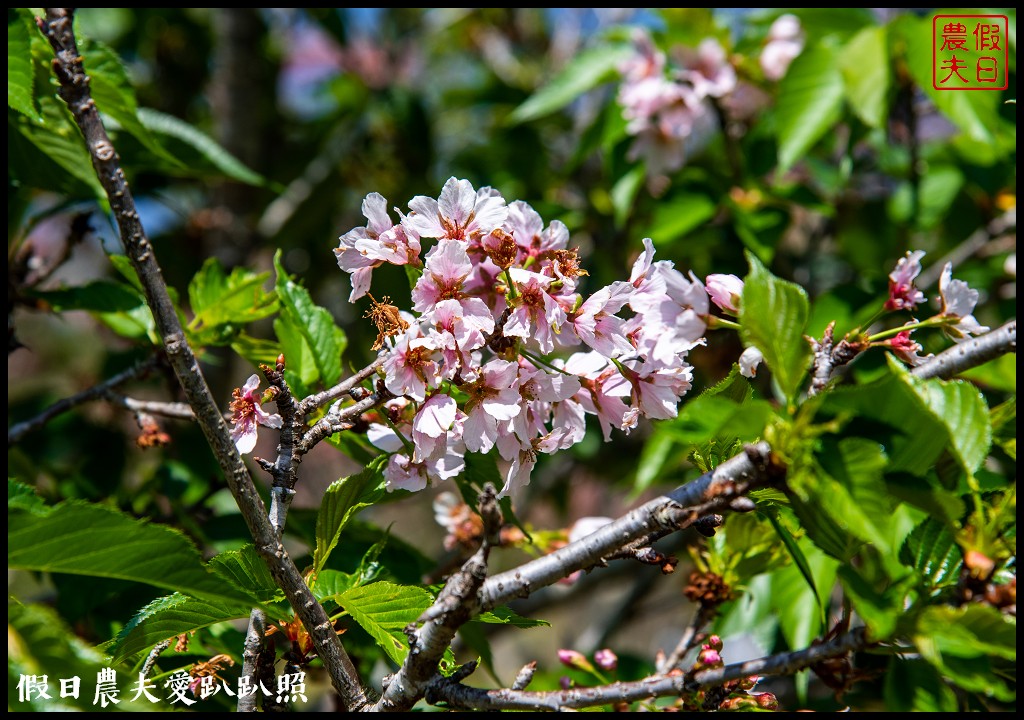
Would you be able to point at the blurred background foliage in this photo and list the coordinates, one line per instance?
(254, 130)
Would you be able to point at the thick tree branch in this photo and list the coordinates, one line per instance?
(456, 605)
(457, 695)
(711, 492)
(970, 353)
(74, 90)
(17, 432)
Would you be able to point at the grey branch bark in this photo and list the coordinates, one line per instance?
(74, 90)
(711, 492)
(970, 353)
(457, 695)
(456, 605)
(17, 432)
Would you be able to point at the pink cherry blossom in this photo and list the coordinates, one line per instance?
(749, 360)
(709, 70)
(459, 213)
(785, 42)
(447, 268)
(363, 249)
(958, 301)
(902, 293)
(246, 413)
(537, 314)
(493, 398)
(411, 368)
(597, 325)
(905, 348)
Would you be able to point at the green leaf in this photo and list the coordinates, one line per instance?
(168, 616)
(795, 604)
(505, 616)
(773, 316)
(960, 408)
(799, 559)
(915, 686)
(864, 62)
(652, 459)
(940, 186)
(114, 95)
(383, 610)
(932, 550)
(246, 569)
(675, 218)
(85, 539)
(807, 484)
(585, 72)
(857, 498)
(256, 350)
(624, 193)
(975, 113)
(323, 338)
(23, 497)
(880, 610)
(50, 153)
(20, 73)
(810, 102)
(39, 642)
(342, 500)
(98, 296)
(221, 303)
(963, 642)
(195, 149)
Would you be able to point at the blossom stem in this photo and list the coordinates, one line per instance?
(512, 292)
(715, 322)
(409, 448)
(937, 321)
(537, 360)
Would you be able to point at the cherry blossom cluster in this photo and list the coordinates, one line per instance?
(664, 106)
(502, 350)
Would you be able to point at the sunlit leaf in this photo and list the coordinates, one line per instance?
(810, 102)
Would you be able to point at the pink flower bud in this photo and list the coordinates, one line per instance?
(714, 642)
(606, 659)
(725, 292)
(574, 659)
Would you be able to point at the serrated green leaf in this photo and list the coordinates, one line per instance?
(914, 686)
(857, 498)
(50, 153)
(85, 539)
(931, 549)
(960, 408)
(20, 73)
(322, 336)
(585, 72)
(168, 616)
(799, 559)
(383, 610)
(963, 642)
(97, 296)
(880, 610)
(793, 601)
(810, 102)
(222, 303)
(807, 485)
(246, 569)
(342, 500)
(864, 62)
(256, 350)
(114, 95)
(23, 497)
(505, 616)
(196, 149)
(773, 316)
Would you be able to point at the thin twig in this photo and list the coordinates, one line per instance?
(338, 419)
(74, 90)
(154, 655)
(320, 399)
(689, 639)
(457, 695)
(17, 432)
(176, 410)
(970, 353)
(255, 644)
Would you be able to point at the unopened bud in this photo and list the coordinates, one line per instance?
(574, 659)
(606, 659)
